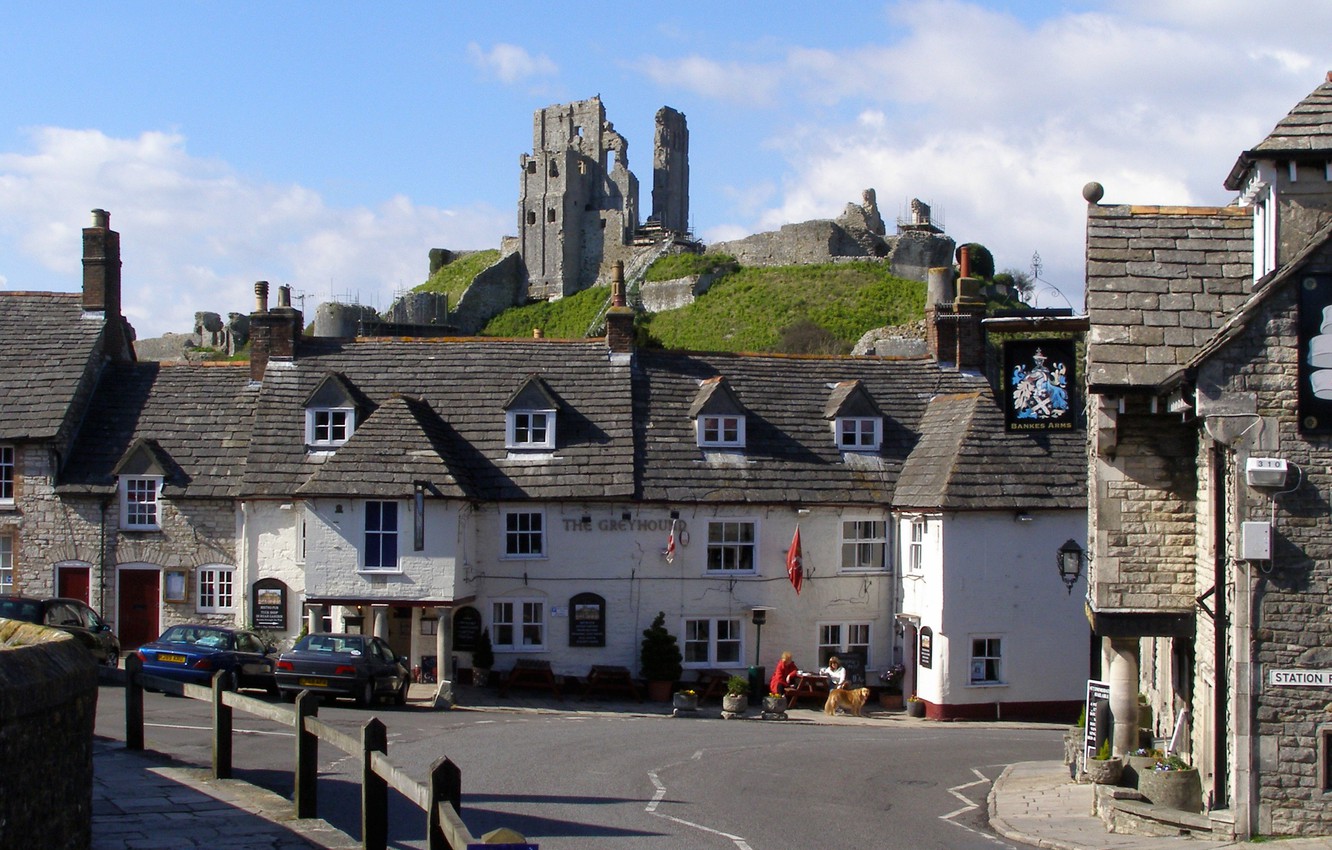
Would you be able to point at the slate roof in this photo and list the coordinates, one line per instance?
(1307, 129)
(466, 383)
(47, 350)
(196, 417)
(967, 460)
(1160, 282)
(790, 454)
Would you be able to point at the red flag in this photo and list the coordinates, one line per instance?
(670, 545)
(795, 570)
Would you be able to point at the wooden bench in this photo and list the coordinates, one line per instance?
(806, 685)
(531, 673)
(607, 680)
(712, 683)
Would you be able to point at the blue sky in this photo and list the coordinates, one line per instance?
(330, 145)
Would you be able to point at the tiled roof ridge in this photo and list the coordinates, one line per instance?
(1172, 209)
(10, 293)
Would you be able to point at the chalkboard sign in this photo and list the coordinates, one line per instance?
(270, 605)
(853, 661)
(466, 629)
(927, 647)
(1098, 727)
(587, 620)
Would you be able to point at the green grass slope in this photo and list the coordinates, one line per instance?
(567, 318)
(457, 275)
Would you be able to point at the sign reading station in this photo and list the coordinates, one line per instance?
(1301, 678)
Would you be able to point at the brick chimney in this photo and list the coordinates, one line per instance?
(953, 330)
(273, 333)
(619, 317)
(101, 282)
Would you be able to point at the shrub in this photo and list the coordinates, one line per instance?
(659, 655)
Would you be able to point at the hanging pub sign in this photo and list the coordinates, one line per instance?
(587, 620)
(1038, 384)
(466, 629)
(1315, 341)
(926, 641)
(270, 605)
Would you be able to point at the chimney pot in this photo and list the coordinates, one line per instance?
(537, 333)
(101, 218)
(284, 296)
(965, 261)
(261, 296)
(617, 285)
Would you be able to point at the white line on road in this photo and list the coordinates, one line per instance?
(210, 729)
(660, 792)
(956, 791)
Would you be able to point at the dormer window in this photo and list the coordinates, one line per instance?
(719, 418)
(856, 420)
(140, 499)
(859, 433)
(529, 416)
(330, 413)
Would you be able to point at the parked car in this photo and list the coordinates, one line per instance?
(68, 615)
(193, 653)
(343, 665)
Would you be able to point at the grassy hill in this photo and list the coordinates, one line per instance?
(457, 275)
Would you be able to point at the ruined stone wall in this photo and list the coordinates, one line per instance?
(491, 292)
(670, 171)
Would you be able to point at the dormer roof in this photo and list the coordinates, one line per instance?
(715, 397)
(333, 391)
(1305, 133)
(532, 394)
(143, 458)
(850, 399)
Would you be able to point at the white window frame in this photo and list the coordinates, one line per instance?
(6, 563)
(720, 639)
(859, 547)
(515, 532)
(140, 495)
(522, 431)
(336, 432)
(992, 653)
(8, 475)
(518, 624)
(713, 430)
(215, 587)
(381, 534)
(919, 531)
(859, 433)
(838, 637)
(728, 545)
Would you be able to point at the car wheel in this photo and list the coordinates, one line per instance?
(367, 695)
(400, 698)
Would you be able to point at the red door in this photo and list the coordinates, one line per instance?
(72, 583)
(137, 620)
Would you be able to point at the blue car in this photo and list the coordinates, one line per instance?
(193, 653)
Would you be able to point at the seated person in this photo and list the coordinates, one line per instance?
(835, 672)
(786, 669)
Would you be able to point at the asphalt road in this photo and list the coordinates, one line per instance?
(611, 780)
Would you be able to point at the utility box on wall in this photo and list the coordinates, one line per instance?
(1256, 541)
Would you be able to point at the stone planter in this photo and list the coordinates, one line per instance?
(735, 704)
(1174, 789)
(915, 708)
(685, 702)
(1105, 771)
(1135, 767)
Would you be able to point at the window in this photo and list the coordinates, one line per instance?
(859, 433)
(217, 589)
(527, 631)
(524, 534)
(731, 546)
(530, 429)
(916, 549)
(6, 563)
(864, 545)
(139, 502)
(987, 666)
(328, 427)
(381, 535)
(712, 642)
(721, 431)
(6, 473)
(845, 640)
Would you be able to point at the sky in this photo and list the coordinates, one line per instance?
(329, 146)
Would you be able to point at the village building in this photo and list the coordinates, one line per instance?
(1210, 457)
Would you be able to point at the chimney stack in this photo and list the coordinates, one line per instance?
(101, 283)
(273, 333)
(619, 317)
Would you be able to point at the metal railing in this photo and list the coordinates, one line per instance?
(440, 798)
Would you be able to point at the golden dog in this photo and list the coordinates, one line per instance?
(852, 699)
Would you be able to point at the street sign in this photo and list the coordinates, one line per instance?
(1305, 678)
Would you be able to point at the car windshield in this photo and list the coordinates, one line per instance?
(352, 644)
(27, 610)
(198, 636)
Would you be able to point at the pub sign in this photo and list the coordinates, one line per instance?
(270, 605)
(466, 629)
(1315, 341)
(587, 620)
(1038, 384)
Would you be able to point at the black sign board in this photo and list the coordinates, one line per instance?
(1038, 384)
(1315, 355)
(926, 642)
(853, 662)
(270, 604)
(1098, 693)
(587, 620)
(466, 629)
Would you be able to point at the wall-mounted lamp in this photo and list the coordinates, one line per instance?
(760, 616)
(1023, 516)
(1070, 558)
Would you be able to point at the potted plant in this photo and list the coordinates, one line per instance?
(1141, 759)
(1104, 768)
(1173, 783)
(659, 659)
(686, 700)
(890, 681)
(915, 706)
(736, 699)
(483, 658)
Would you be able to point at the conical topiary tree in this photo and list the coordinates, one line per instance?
(659, 659)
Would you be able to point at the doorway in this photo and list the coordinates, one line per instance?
(74, 582)
(138, 613)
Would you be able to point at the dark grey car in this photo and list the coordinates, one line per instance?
(68, 615)
(343, 665)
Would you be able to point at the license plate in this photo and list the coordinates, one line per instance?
(314, 683)
(170, 658)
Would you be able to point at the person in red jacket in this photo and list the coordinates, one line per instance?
(786, 668)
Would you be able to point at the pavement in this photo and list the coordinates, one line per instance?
(174, 805)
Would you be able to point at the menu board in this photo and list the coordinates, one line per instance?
(270, 605)
(466, 629)
(587, 620)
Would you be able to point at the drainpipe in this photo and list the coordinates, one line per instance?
(1220, 792)
(101, 562)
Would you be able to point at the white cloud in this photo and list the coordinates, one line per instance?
(195, 235)
(510, 63)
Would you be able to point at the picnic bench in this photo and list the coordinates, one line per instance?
(806, 685)
(608, 680)
(530, 673)
(712, 683)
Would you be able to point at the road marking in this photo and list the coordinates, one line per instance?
(956, 791)
(660, 792)
(210, 729)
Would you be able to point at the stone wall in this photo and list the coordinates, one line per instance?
(491, 292)
(48, 706)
